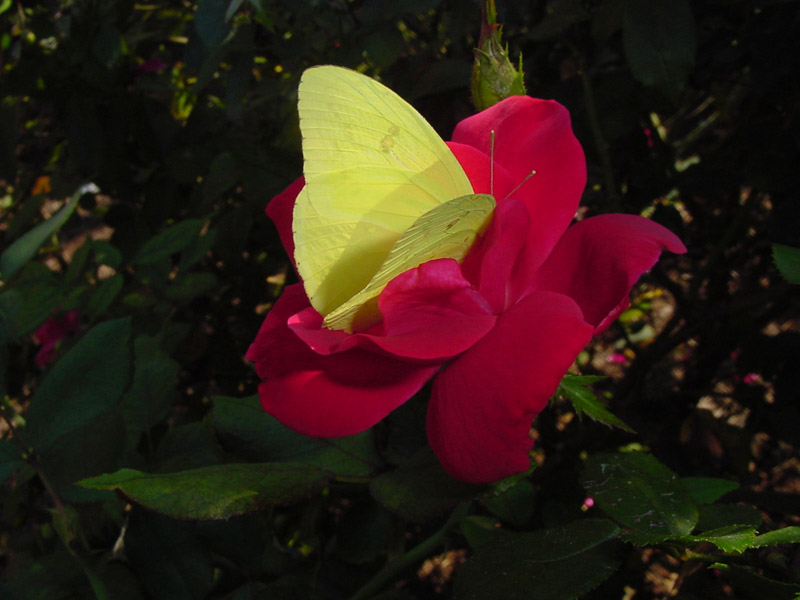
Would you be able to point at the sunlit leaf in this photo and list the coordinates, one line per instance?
(215, 492)
(734, 538)
(25, 248)
(574, 388)
(786, 535)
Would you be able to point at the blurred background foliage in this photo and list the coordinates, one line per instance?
(126, 308)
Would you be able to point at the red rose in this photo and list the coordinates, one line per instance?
(497, 332)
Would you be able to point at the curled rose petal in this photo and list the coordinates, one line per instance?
(429, 313)
(598, 260)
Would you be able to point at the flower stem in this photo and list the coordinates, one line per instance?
(600, 144)
(412, 557)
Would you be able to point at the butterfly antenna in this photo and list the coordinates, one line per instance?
(491, 162)
(521, 183)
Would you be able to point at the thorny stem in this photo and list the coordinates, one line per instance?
(412, 557)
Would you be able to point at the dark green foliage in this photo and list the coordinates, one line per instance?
(137, 463)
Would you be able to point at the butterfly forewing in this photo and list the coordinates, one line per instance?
(372, 166)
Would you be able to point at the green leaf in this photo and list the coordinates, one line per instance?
(641, 494)
(217, 491)
(93, 448)
(222, 175)
(5, 338)
(104, 295)
(190, 286)
(10, 459)
(420, 490)
(35, 297)
(559, 17)
(515, 505)
(542, 564)
(210, 22)
(85, 383)
(198, 249)
(574, 388)
(246, 430)
(149, 397)
(705, 490)
(734, 538)
(168, 242)
(188, 446)
(479, 529)
(755, 586)
(106, 254)
(659, 41)
(79, 260)
(787, 535)
(787, 259)
(717, 516)
(22, 250)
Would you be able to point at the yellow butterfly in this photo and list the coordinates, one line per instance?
(383, 194)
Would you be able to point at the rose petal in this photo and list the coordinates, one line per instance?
(326, 396)
(342, 394)
(484, 178)
(276, 349)
(483, 403)
(598, 260)
(433, 312)
(491, 263)
(429, 313)
(280, 210)
(533, 135)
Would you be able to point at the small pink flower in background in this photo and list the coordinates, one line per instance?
(648, 133)
(587, 504)
(496, 332)
(151, 65)
(51, 332)
(618, 358)
(751, 378)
